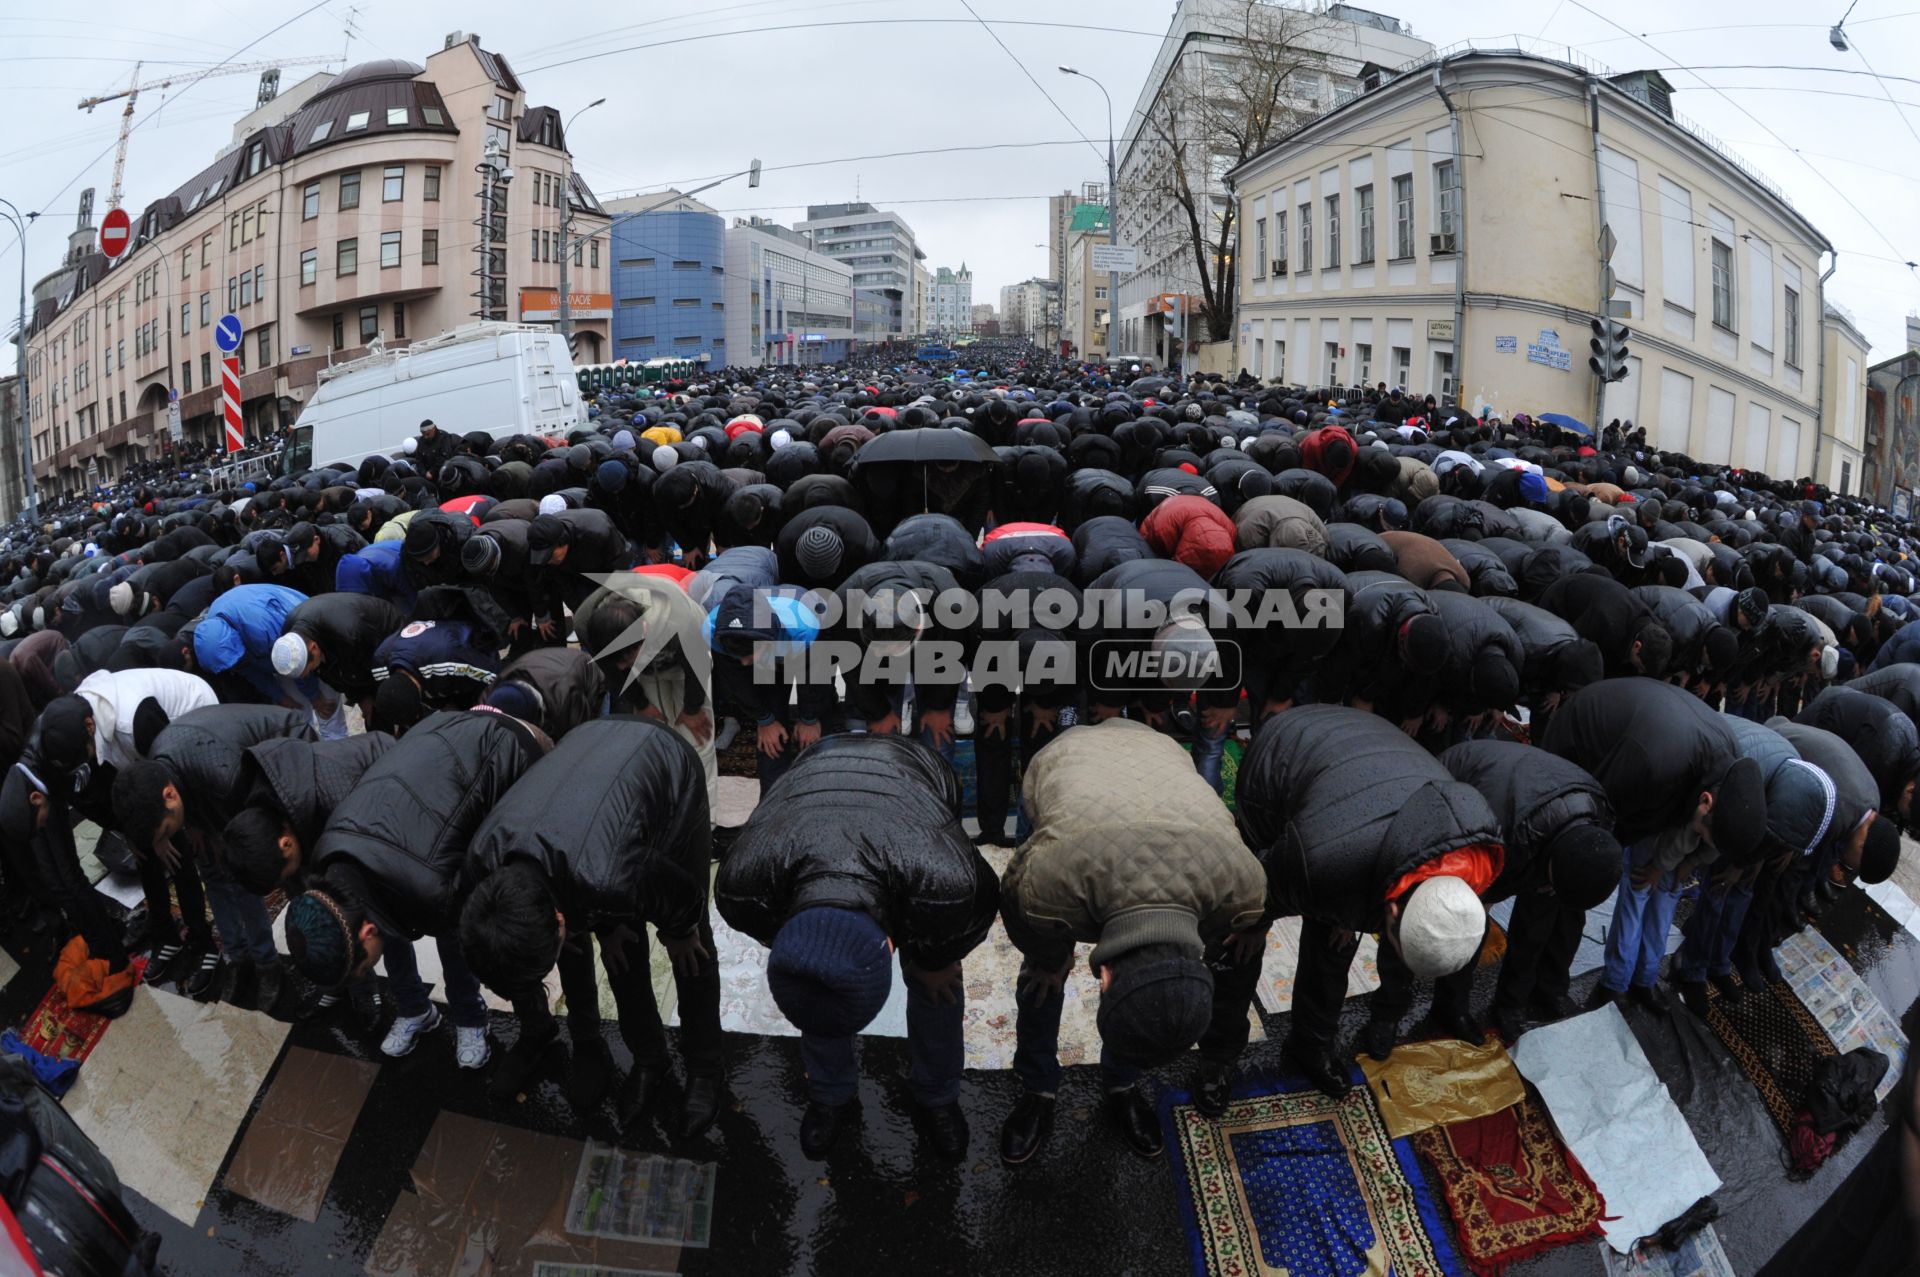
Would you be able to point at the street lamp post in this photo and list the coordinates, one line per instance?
(20, 221)
(1113, 213)
(566, 222)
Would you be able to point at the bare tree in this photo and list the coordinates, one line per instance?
(1225, 99)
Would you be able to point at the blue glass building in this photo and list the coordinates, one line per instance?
(669, 287)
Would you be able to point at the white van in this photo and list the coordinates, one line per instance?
(505, 379)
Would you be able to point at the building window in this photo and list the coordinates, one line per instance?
(369, 323)
(1099, 292)
(1306, 237)
(309, 267)
(320, 132)
(206, 309)
(206, 370)
(310, 202)
(206, 250)
(389, 249)
(399, 320)
(186, 318)
(430, 183)
(233, 293)
(393, 183)
(578, 249)
(350, 189)
(396, 117)
(1403, 216)
(1363, 361)
(1722, 285)
(246, 288)
(186, 376)
(1333, 363)
(346, 257)
(1792, 333)
(358, 120)
(186, 255)
(1443, 373)
(263, 343)
(1259, 248)
(686, 265)
(1402, 365)
(432, 115)
(536, 244)
(593, 254)
(686, 301)
(1846, 476)
(339, 331)
(1444, 196)
(233, 231)
(1363, 205)
(429, 248)
(1333, 232)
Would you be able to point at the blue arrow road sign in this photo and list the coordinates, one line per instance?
(227, 333)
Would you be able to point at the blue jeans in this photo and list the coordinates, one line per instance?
(1711, 932)
(936, 1052)
(1637, 940)
(1208, 754)
(241, 916)
(469, 1011)
(1036, 1049)
(899, 699)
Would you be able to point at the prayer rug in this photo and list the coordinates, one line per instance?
(56, 1030)
(1513, 1189)
(1423, 1084)
(1777, 1043)
(1297, 1182)
(1275, 989)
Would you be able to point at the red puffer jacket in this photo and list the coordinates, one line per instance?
(1191, 530)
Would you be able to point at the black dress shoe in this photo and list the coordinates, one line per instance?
(1551, 1008)
(1317, 1069)
(1026, 1128)
(1379, 1036)
(1602, 995)
(1730, 989)
(517, 1066)
(591, 1076)
(701, 1107)
(631, 1100)
(1508, 1023)
(1652, 997)
(1133, 1116)
(1693, 996)
(820, 1127)
(945, 1130)
(1769, 969)
(1213, 1086)
(1461, 1023)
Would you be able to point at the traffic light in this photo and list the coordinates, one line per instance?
(1609, 346)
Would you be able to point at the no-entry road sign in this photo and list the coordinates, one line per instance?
(116, 232)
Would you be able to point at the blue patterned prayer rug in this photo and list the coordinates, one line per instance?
(1295, 1182)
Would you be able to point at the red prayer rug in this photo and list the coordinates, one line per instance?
(55, 1029)
(1513, 1189)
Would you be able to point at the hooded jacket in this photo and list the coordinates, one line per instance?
(304, 780)
(1535, 796)
(1855, 793)
(1653, 747)
(1601, 610)
(569, 684)
(239, 630)
(377, 570)
(1903, 648)
(1485, 658)
(1190, 530)
(615, 816)
(1554, 658)
(1129, 848)
(1340, 804)
(868, 823)
(114, 699)
(406, 826)
(1801, 798)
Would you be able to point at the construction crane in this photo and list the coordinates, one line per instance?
(184, 79)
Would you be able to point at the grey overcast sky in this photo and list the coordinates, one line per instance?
(808, 85)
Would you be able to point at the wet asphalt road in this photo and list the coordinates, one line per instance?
(877, 1205)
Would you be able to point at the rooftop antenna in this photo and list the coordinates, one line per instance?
(348, 26)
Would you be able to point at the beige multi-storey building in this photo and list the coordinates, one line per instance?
(1446, 231)
(1084, 307)
(359, 215)
(1840, 461)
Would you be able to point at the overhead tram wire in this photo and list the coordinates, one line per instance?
(1768, 129)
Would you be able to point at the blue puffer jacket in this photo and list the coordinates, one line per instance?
(239, 630)
(376, 570)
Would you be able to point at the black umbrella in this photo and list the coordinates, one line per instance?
(932, 443)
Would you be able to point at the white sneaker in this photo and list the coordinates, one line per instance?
(470, 1048)
(407, 1031)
